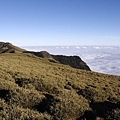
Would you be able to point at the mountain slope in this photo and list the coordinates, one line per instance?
(34, 88)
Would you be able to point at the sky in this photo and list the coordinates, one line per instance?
(60, 22)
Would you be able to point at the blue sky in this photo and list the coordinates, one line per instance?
(60, 22)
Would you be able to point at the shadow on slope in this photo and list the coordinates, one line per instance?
(102, 110)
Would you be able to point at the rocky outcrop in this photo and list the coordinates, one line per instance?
(6, 47)
(73, 61)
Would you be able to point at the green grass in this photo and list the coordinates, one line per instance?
(37, 89)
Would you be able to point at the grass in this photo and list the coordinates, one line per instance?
(37, 89)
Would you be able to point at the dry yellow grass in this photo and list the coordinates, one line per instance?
(34, 88)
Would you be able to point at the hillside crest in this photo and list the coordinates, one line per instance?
(73, 61)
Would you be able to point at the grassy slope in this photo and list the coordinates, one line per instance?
(34, 88)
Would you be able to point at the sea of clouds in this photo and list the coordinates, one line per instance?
(104, 59)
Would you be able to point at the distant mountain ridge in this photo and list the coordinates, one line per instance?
(6, 47)
(73, 61)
